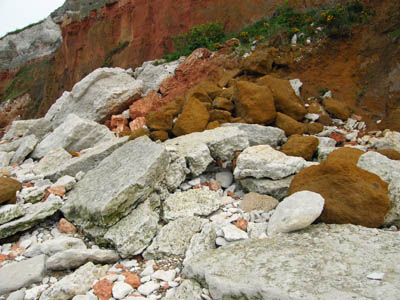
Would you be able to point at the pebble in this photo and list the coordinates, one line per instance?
(145, 279)
(376, 276)
(220, 241)
(148, 288)
(164, 275)
(121, 290)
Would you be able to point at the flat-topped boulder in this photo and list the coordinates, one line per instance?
(291, 265)
(121, 181)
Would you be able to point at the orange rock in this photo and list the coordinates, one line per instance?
(28, 184)
(137, 123)
(302, 146)
(337, 108)
(58, 190)
(122, 267)
(8, 190)
(232, 195)
(103, 289)
(142, 106)
(66, 227)
(132, 279)
(16, 250)
(117, 120)
(3, 257)
(241, 224)
(289, 125)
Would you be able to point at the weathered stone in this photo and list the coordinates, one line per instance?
(77, 283)
(74, 258)
(390, 140)
(36, 193)
(274, 188)
(17, 130)
(88, 160)
(52, 160)
(10, 212)
(17, 295)
(313, 128)
(189, 289)
(132, 234)
(254, 103)
(25, 148)
(302, 146)
(260, 61)
(177, 170)
(338, 109)
(346, 154)
(296, 212)
(67, 181)
(159, 135)
(10, 146)
(148, 288)
(5, 158)
(195, 202)
(194, 118)
(352, 195)
(255, 201)
(40, 128)
(66, 227)
(390, 153)
(389, 171)
(159, 120)
(225, 178)
(53, 246)
(223, 103)
(22, 274)
(174, 238)
(232, 233)
(102, 93)
(75, 134)
(123, 179)
(261, 135)
(34, 214)
(265, 162)
(8, 190)
(121, 289)
(203, 241)
(223, 270)
(285, 98)
(289, 125)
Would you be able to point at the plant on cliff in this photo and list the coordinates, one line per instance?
(203, 36)
(108, 59)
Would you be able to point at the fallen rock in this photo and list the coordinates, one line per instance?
(302, 146)
(389, 171)
(40, 128)
(194, 202)
(225, 178)
(22, 274)
(285, 98)
(148, 288)
(274, 188)
(121, 290)
(265, 162)
(289, 125)
(352, 195)
(254, 201)
(34, 214)
(74, 258)
(194, 118)
(52, 160)
(346, 154)
(54, 246)
(123, 179)
(254, 103)
(223, 270)
(77, 283)
(189, 289)
(174, 238)
(8, 190)
(66, 227)
(75, 134)
(132, 234)
(390, 140)
(260, 135)
(98, 96)
(27, 145)
(5, 158)
(203, 241)
(336, 108)
(232, 233)
(103, 289)
(10, 212)
(390, 153)
(17, 130)
(260, 61)
(296, 212)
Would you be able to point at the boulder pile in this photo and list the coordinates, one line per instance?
(241, 190)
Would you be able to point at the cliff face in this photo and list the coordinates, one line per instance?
(112, 33)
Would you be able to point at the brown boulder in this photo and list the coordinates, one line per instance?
(302, 146)
(223, 103)
(286, 101)
(347, 154)
(390, 153)
(8, 190)
(314, 128)
(174, 108)
(255, 201)
(260, 61)
(205, 91)
(227, 76)
(289, 125)
(194, 118)
(254, 103)
(228, 93)
(222, 116)
(391, 121)
(337, 109)
(212, 125)
(352, 195)
(138, 133)
(159, 135)
(158, 120)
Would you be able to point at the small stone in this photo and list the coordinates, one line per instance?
(132, 279)
(376, 276)
(66, 227)
(164, 275)
(148, 288)
(121, 290)
(214, 185)
(232, 233)
(17, 295)
(225, 178)
(241, 224)
(103, 289)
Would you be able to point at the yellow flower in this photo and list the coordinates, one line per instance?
(296, 29)
(329, 18)
(266, 24)
(324, 13)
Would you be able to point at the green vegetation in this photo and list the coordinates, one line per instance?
(22, 29)
(334, 21)
(396, 34)
(108, 59)
(323, 91)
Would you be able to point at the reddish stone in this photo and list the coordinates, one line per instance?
(3, 257)
(103, 289)
(122, 267)
(142, 106)
(137, 123)
(338, 137)
(58, 190)
(28, 184)
(117, 120)
(16, 250)
(132, 279)
(352, 143)
(232, 195)
(241, 224)
(66, 227)
(214, 185)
